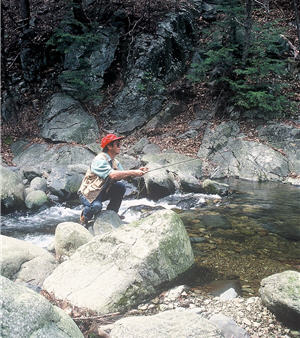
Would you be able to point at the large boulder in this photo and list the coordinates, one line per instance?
(27, 314)
(69, 236)
(280, 293)
(174, 323)
(65, 120)
(177, 172)
(119, 269)
(226, 152)
(284, 137)
(49, 157)
(64, 182)
(12, 190)
(25, 262)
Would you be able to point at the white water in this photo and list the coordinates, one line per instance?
(38, 228)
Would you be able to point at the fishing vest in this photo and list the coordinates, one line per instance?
(92, 184)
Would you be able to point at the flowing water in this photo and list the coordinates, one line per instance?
(242, 238)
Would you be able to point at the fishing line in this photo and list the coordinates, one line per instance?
(171, 164)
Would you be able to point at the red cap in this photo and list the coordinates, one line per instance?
(108, 139)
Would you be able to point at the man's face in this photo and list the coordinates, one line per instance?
(115, 147)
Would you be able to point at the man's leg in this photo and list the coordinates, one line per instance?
(90, 209)
(115, 194)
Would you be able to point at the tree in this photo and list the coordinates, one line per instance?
(243, 64)
(296, 8)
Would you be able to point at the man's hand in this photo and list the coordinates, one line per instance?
(144, 169)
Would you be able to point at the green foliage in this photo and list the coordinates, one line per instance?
(149, 85)
(253, 85)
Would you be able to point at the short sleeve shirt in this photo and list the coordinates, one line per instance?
(101, 166)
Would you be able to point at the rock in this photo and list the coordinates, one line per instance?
(35, 199)
(118, 270)
(51, 157)
(251, 161)
(64, 182)
(173, 323)
(23, 261)
(38, 183)
(65, 120)
(213, 187)
(183, 176)
(69, 236)
(12, 190)
(228, 327)
(27, 314)
(108, 220)
(154, 64)
(89, 62)
(228, 294)
(280, 293)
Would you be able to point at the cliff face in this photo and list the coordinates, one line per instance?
(124, 65)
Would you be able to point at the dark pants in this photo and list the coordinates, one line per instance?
(114, 194)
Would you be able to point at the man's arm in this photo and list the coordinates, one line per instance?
(122, 174)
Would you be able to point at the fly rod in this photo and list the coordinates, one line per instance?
(171, 164)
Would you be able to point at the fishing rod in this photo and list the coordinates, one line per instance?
(171, 164)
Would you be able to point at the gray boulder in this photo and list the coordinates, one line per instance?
(280, 293)
(119, 269)
(183, 176)
(38, 183)
(108, 220)
(25, 262)
(64, 182)
(251, 161)
(65, 120)
(27, 314)
(213, 187)
(285, 138)
(174, 323)
(69, 236)
(49, 157)
(12, 190)
(35, 199)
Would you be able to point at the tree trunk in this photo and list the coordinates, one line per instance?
(3, 54)
(248, 29)
(296, 7)
(78, 12)
(25, 13)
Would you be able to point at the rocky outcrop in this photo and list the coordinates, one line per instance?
(153, 64)
(227, 153)
(49, 157)
(175, 323)
(280, 293)
(65, 120)
(119, 269)
(12, 190)
(183, 176)
(69, 236)
(25, 262)
(27, 314)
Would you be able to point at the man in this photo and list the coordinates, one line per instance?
(101, 181)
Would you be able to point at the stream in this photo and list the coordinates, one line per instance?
(239, 239)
